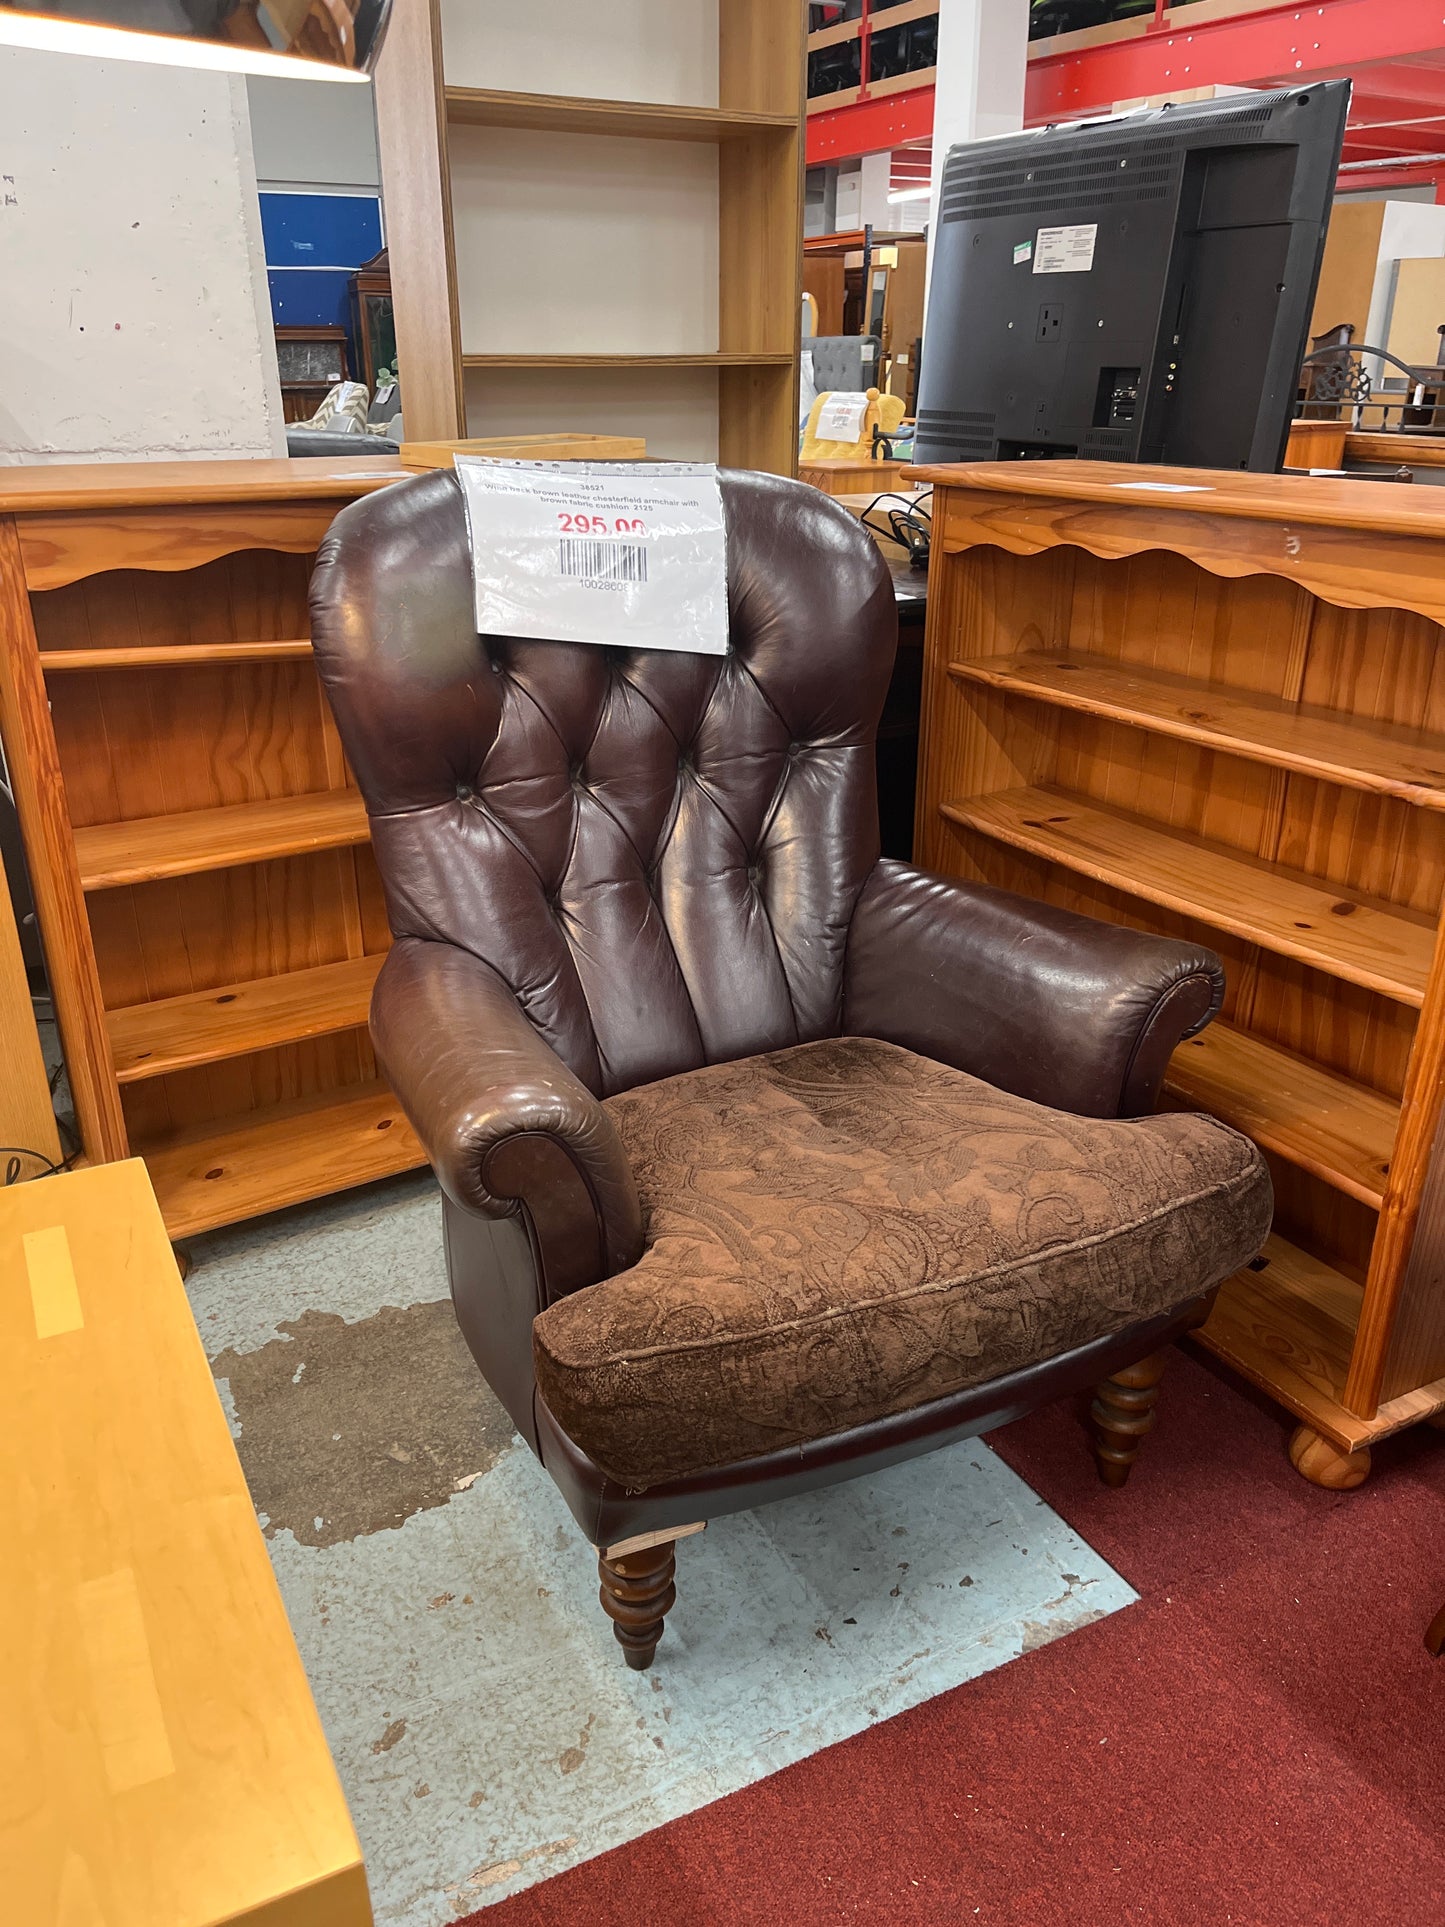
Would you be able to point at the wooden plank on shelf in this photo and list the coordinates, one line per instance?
(742, 358)
(165, 655)
(150, 1040)
(1340, 932)
(1328, 1125)
(139, 851)
(1385, 758)
(527, 448)
(641, 120)
(1289, 1328)
(284, 1154)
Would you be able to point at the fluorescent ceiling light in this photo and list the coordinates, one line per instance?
(47, 34)
(898, 194)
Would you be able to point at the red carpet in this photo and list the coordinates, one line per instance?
(1259, 1743)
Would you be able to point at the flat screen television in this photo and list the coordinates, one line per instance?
(1132, 289)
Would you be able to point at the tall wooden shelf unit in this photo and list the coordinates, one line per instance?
(621, 254)
(1220, 714)
(211, 912)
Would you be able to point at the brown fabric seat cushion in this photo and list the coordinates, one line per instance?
(843, 1230)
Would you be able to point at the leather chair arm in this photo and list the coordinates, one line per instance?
(1070, 1012)
(506, 1125)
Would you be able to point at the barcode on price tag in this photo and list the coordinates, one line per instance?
(603, 561)
(625, 554)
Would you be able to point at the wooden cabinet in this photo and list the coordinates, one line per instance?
(620, 254)
(210, 909)
(1213, 705)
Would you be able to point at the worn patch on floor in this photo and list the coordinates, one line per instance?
(351, 1428)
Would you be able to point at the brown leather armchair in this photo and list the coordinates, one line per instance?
(764, 1163)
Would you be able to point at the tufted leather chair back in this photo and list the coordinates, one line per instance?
(659, 853)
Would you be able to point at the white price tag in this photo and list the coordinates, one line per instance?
(1065, 250)
(840, 419)
(627, 554)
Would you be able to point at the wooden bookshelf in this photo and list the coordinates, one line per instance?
(553, 269)
(212, 916)
(1220, 714)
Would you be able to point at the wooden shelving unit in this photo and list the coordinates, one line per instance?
(1220, 714)
(589, 262)
(211, 912)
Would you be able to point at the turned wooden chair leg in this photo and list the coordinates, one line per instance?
(1122, 1412)
(1435, 1638)
(637, 1594)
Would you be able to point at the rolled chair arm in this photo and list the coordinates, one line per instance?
(505, 1124)
(1070, 1012)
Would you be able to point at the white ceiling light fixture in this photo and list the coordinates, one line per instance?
(294, 39)
(908, 194)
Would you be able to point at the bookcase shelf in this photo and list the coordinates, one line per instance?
(206, 1026)
(635, 119)
(280, 1154)
(715, 358)
(148, 848)
(202, 655)
(1328, 1125)
(1385, 758)
(1373, 944)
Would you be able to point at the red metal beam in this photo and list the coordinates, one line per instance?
(1281, 44)
(865, 127)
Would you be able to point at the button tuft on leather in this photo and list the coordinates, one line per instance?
(465, 792)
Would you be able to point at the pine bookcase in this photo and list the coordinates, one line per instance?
(211, 914)
(1213, 705)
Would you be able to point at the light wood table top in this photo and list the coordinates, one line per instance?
(163, 1765)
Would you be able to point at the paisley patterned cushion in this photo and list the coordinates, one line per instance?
(843, 1230)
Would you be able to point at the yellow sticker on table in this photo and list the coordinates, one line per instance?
(53, 1292)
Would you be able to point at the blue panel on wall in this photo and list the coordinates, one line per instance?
(310, 297)
(320, 230)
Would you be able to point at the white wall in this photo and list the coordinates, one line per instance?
(312, 135)
(1410, 231)
(657, 50)
(134, 317)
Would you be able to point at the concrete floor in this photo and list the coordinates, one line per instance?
(483, 1722)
